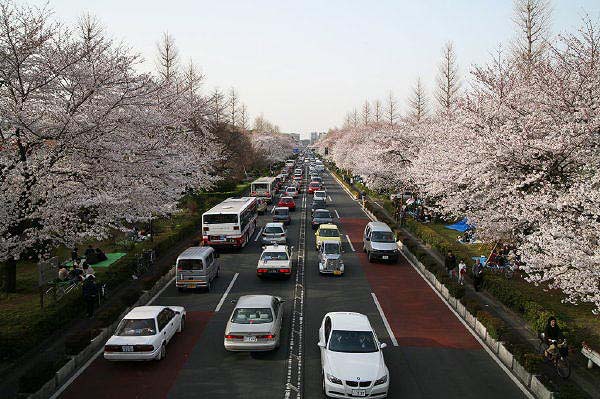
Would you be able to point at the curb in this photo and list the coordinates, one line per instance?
(78, 363)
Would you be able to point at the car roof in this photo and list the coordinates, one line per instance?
(144, 312)
(274, 224)
(287, 197)
(254, 301)
(328, 226)
(322, 210)
(195, 253)
(349, 321)
(276, 248)
(379, 226)
(279, 208)
(320, 191)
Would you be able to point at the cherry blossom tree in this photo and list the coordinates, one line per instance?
(86, 142)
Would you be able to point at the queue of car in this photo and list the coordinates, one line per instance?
(351, 354)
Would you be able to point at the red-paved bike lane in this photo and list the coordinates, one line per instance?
(148, 380)
(417, 316)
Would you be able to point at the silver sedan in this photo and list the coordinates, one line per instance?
(255, 324)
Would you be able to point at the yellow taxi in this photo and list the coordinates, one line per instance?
(329, 232)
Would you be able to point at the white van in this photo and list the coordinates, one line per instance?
(196, 267)
(379, 242)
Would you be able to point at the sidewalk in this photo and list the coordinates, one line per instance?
(586, 380)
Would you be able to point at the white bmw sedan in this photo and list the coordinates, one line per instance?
(351, 357)
(144, 333)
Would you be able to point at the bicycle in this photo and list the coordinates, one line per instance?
(59, 289)
(145, 261)
(559, 357)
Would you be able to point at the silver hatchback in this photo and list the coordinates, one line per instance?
(254, 324)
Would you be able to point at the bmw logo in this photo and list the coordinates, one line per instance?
(358, 378)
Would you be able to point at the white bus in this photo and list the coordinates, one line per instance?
(264, 187)
(230, 223)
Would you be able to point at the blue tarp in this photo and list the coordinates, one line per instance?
(461, 226)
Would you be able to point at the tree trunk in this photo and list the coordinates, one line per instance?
(10, 276)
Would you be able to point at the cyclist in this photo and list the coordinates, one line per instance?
(552, 333)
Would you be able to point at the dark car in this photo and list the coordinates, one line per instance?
(321, 216)
(318, 203)
(281, 214)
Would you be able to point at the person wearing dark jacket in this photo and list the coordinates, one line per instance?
(552, 333)
(450, 263)
(477, 275)
(90, 294)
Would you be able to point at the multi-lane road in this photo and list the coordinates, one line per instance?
(430, 354)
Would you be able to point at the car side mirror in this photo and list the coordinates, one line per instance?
(382, 345)
(321, 344)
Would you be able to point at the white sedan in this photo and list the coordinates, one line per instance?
(144, 333)
(351, 357)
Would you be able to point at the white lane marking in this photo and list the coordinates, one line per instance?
(258, 234)
(222, 301)
(100, 351)
(385, 321)
(336, 213)
(273, 209)
(473, 333)
(350, 242)
(329, 198)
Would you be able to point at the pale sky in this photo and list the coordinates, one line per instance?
(304, 64)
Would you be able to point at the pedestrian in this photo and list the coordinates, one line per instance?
(477, 275)
(90, 294)
(450, 263)
(462, 271)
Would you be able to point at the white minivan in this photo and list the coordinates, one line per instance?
(196, 267)
(379, 242)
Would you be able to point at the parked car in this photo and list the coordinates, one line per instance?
(144, 333)
(282, 214)
(327, 232)
(379, 242)
(351, 357)
(291, 191)
(288, 202)
(330, 258)
(254, 324)
(275, 260)
(274, 233)
(196, 267)
(319, 217)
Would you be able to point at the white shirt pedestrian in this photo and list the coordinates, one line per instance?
(462, 270)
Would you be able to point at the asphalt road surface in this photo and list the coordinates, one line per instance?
(435, 355)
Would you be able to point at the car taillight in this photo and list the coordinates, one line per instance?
(112, 348)
(261, 270)
(269, 336)
(143, 348)
(229, 336)
(236, 227)
(284, 270)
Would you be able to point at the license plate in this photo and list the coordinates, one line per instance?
(359, 392)
(250, 339)
(384, 257)
(274, 271)
(337, 272)
(191, 285)
(127, 348)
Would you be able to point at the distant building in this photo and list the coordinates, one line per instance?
(315, 136)
(305, 142)
(295, 136)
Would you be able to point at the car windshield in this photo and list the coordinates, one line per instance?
(136, 327)
(322, 214)
(287, 199)
(331, 248)
(291, 189)
(190, 264)
(320, 194)
(382, 236)
(220, 218)
(282, 212)
(252, 316)
(352, 341)
(329, 233)
(318, 202)
(314, 184)
(273, 230)
(274, 256)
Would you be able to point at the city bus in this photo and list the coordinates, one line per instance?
(230, 223)
(264, 187)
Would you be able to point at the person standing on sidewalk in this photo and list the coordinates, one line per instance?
(90, 294)
(477, 275)
(462, 270)
(450, 263)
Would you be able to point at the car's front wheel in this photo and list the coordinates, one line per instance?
(162, 354)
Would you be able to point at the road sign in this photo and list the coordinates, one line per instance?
(296, 150)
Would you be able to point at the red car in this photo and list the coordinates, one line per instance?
(288, 202)
(314, 186)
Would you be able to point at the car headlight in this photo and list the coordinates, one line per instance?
(382, 380)
(334, 380)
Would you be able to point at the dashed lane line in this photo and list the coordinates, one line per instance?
(336, 213)
(258, 234)
(385, 321)
(350, 242)
(222, 301)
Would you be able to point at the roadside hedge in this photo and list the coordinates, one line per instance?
(39, 374)
(495, 326)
